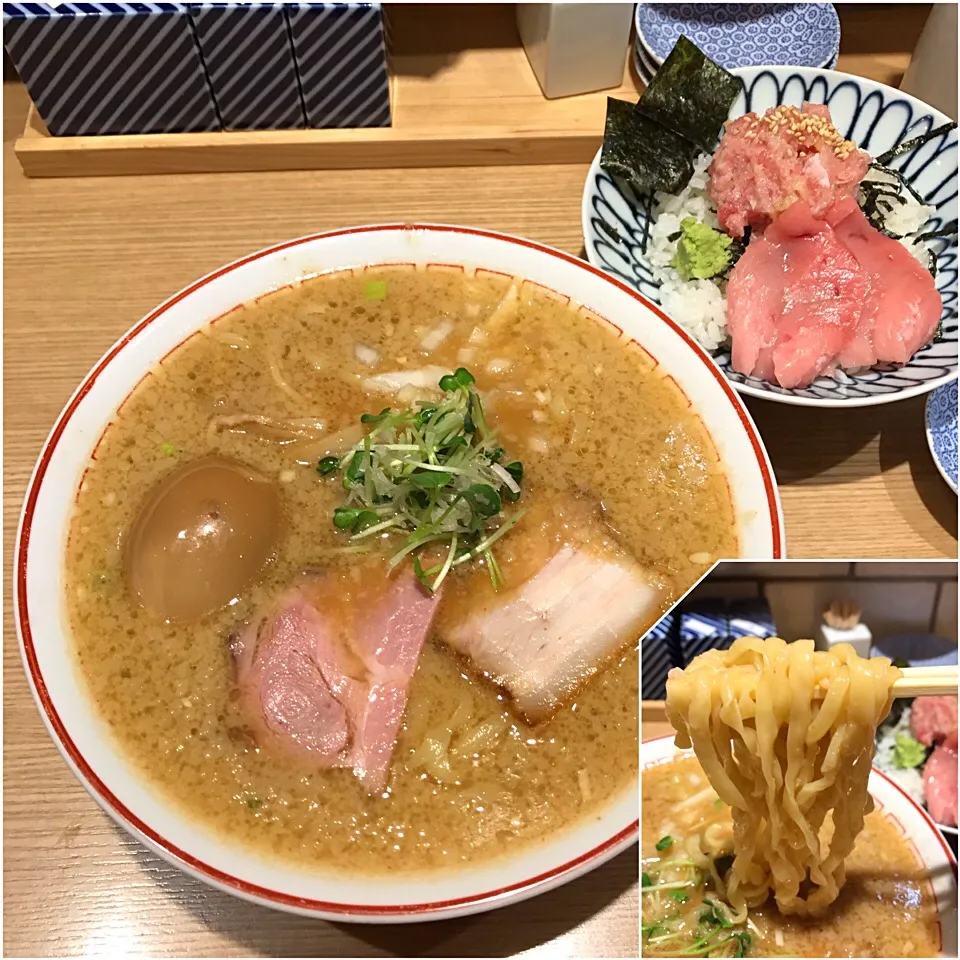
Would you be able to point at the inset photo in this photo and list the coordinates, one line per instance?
(799, 763)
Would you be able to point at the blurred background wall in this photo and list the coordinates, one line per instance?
(907, 607)
(895, 597)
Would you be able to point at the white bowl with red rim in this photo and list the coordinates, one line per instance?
(919, 832)
(43, 627)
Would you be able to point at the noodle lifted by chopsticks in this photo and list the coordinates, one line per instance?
(785, 734)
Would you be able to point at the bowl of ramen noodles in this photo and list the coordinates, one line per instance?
(330, 575)
(766, 830)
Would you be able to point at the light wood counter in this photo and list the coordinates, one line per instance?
(86, 258)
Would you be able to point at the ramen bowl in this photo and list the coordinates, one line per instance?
(908, 824)
(44, 629)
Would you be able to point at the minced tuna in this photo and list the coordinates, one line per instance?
(766, 163)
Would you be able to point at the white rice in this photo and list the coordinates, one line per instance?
(911, 780)
(904, 219)
(700, 306)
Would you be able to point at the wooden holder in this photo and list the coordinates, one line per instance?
(463, 94)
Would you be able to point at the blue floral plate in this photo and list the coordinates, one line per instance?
(877, 117)
(742, 34)
(942, 431)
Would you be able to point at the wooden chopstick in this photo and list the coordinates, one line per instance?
(926, 682)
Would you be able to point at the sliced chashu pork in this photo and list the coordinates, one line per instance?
(324, 675)
(578, 600)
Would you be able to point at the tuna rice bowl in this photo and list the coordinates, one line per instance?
(773, 236)
(917, 748)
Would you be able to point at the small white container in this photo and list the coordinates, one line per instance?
(932, 74)
(575, 47)
(859, 637)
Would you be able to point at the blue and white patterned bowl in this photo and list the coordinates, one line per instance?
(942, 431)
(877, 117)
(742, 34)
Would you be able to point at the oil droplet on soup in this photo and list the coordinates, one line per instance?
(279, 384)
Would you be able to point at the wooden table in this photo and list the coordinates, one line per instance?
(84, 259)
(653, 720)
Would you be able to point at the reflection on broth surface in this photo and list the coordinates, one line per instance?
(619, 479)
(885, 908)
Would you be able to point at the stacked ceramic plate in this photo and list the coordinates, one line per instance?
(941, 423)
(738, 34)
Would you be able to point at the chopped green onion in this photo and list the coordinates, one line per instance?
(169, 449)
(375, 290)
(431, 474)
(456, 381)
(665, 843)
(376, 417)
(715, 915)
(421, 575)
(673, 885)
(445, 569)
(483, 498)
(344, 518)
(366, 525)
(353, 473)
(486, 544)
(429, 480)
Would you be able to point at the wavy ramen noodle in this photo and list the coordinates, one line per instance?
(785, 735)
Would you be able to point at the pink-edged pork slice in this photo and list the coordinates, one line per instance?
(546, 637)
(324, 673)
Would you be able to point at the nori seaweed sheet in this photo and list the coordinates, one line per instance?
(690, 95)
(644, 153)
(908, 145)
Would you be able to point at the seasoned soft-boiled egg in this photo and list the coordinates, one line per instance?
(201, 536)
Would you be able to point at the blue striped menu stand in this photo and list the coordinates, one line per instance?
(341, 57)
(248, 55)
(110, 68)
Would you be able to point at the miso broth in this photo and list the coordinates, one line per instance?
(594, 421)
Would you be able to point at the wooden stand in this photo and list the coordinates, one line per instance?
(463, 95)
(653, 720)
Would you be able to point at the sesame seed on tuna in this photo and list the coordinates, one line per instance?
(804, 127)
